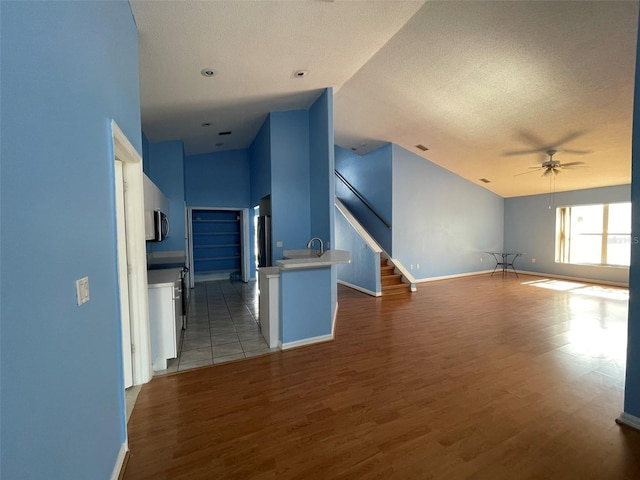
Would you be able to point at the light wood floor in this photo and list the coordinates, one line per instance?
(472, 378)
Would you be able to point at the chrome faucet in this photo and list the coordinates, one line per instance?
(310, 242)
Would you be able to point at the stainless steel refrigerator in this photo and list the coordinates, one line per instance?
(264, 241)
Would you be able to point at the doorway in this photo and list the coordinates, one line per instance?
(123, 277)
(132, 263)
(218, 244)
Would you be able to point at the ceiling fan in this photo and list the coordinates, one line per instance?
(551, 166)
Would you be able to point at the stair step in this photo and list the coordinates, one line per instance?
(394, 279)
(393, 289)
(387, 270)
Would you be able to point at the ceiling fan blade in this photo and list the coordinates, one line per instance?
(539, 145)
(572, 164)
(515, 153)
(524, 173)
(530, 138)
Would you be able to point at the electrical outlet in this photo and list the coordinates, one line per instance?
(412, 266)
(481, 259)
(417, 266)
(82, 290)
(533, 260)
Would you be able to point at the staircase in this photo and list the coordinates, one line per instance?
(391, 281)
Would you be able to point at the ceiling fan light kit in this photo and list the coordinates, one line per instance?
(553, 167)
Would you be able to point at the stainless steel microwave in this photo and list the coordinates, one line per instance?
(161, 226)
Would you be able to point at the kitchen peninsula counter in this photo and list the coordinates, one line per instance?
(305, 259)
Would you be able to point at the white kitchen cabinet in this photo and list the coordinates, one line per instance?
(165, 315)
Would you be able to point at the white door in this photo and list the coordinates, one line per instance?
(123, 276)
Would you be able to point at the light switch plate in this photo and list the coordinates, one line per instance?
(82, 290)
(279, 244)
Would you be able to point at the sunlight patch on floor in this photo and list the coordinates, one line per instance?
(613, 293)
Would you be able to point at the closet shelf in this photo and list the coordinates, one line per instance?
(216, 221)
(216, 240)
(218, 246)
(209, 259)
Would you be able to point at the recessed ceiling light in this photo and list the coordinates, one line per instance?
(205, 124)
(484, 180)
(421, 147)
(300, 73)
(207, 72)
(225, 133)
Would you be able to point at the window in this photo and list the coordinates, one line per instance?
(594, 234)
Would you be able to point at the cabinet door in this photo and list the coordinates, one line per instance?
(162, 324)
(177, 307)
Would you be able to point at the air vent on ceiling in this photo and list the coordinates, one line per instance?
(484, 180)
(421, 147)
(225, 133)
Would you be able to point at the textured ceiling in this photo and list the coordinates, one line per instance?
(488, 87)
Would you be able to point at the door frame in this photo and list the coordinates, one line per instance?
(123, 276)
(124, 151)
(245, 246)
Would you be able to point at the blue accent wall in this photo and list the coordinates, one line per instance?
(530, 227)
(441, 221)
(632, 384)
(260, 163)
(221, 179)
(305, 311)
(166, 170)
(290, 189)
(364, 269)
(371, 175)
(218, 179)
(321, 151)
(322, 185)
(67, 69)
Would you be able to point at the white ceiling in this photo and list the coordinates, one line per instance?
(488, 87)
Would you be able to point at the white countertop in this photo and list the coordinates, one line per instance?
(269, 272)
(163, 278)
(160, 258)
(328, 258)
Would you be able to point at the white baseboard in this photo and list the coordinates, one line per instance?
(457, 275)
(122, 454)
(525, 272)
(629, 420)
(307, 341)
(360, 289)
(575, 279)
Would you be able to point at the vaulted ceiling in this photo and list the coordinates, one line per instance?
(487, 87)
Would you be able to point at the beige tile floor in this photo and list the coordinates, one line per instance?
(222, 326)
